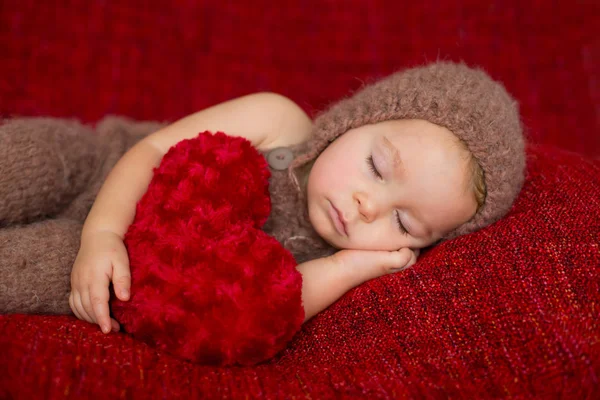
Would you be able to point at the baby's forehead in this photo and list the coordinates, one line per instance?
(418, 129)
(416, 139)
(432, 158)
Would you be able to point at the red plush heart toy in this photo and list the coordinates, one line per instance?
(208, 284)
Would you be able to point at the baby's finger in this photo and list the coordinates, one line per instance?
(86, 301)
(99, 300)
(115, 325)
(73, 307)
(401, 259)
(79, 305)
(121, 279)
(413, 258)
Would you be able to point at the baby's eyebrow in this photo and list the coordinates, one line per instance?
(396, 159)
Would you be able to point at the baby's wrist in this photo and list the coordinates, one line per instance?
(92, 233)
(349, 275)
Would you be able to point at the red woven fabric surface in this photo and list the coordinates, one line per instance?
(510, 311)
(164, 59)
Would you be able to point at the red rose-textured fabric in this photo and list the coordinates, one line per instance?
(510, 311)
(208, 285)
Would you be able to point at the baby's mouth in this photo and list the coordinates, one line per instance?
(337, 220)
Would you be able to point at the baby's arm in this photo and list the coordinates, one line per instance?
(325, 280)
(266, 119)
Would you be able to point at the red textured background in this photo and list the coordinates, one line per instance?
(511, 311)
(165, 59)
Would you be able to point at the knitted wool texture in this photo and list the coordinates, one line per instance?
(477, 109)
(51, 170)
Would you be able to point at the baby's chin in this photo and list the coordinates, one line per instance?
(333, 243)
(330, 238)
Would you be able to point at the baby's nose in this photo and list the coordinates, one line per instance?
(366, 207)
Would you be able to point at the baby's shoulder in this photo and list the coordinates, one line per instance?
(293, 126)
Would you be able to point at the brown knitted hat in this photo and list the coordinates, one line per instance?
(466, 101)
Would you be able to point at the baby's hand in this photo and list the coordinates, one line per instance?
(364, 265)
(102, 257)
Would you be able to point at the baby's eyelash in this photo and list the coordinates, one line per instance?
(375, 172)
(372, 167)
(402, 228)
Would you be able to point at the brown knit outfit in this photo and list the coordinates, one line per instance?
(50, 173)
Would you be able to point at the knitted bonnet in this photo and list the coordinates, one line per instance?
(475, 108)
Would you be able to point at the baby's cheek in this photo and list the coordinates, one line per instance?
(380, 238)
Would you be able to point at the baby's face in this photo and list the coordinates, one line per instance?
(402, 183)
